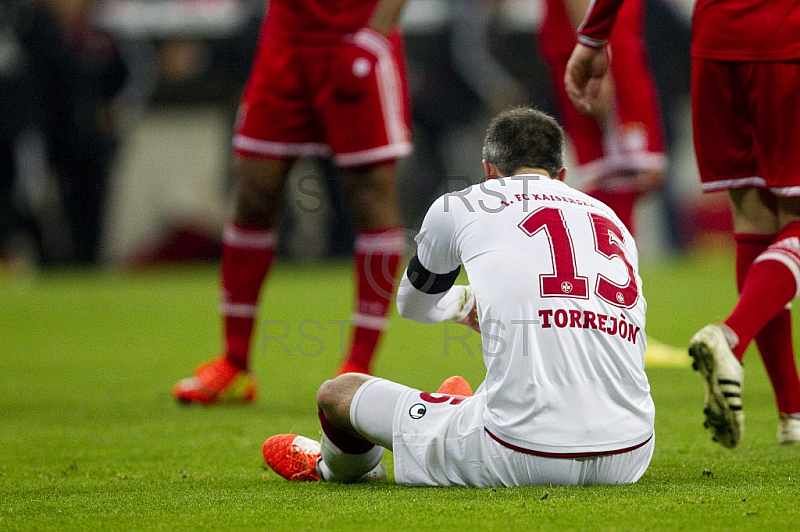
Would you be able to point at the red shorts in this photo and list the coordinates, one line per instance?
(291, 107)
(632, 139)
(746, 122)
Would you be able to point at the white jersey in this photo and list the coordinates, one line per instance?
(561, 309)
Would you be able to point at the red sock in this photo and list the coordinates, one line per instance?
(621, 202)
(775, 339)
(769, 284)
(247, 254)
(377, 257)
(344, 441)
(777, 351)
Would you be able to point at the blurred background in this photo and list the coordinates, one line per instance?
(116, 118)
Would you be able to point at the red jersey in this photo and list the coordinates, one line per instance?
(315, 22)
(728, 30)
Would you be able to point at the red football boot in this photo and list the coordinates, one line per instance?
(216, 381)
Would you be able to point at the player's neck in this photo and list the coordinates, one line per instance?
(532, 171)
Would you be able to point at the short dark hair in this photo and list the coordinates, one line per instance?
(524, 138)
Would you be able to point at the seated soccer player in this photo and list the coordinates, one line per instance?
(555, 292)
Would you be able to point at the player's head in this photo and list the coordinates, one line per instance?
(523, 138)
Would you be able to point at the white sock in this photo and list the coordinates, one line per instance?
(338, 466)
(730, 335)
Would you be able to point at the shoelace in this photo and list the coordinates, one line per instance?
(309, 471)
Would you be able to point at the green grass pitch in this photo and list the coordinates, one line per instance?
(90, 438)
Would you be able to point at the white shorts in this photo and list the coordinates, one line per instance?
(438, 440)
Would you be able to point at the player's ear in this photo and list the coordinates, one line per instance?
(562, 174)
(490, 170)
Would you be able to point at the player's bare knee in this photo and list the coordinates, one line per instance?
(370, 212)
(326, 395)
(372, 196)
(754, 211)
(259, 189)
(335, 395)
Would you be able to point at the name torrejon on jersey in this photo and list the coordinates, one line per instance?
(587, 319)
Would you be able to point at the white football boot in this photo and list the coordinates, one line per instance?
(789, 429)
(724, 377)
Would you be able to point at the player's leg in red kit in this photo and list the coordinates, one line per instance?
(372, 198)
(247, 251)
(775, 268)
(775, 339)
(769, 284)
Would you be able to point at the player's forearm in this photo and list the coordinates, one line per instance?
(386, 15)
(598, 22)
(416, 305)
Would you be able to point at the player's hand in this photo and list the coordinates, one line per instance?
(355, 61)
(467, 313)
(471, 320)
(583, 79)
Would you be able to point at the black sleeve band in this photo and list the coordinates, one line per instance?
(427, 281)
